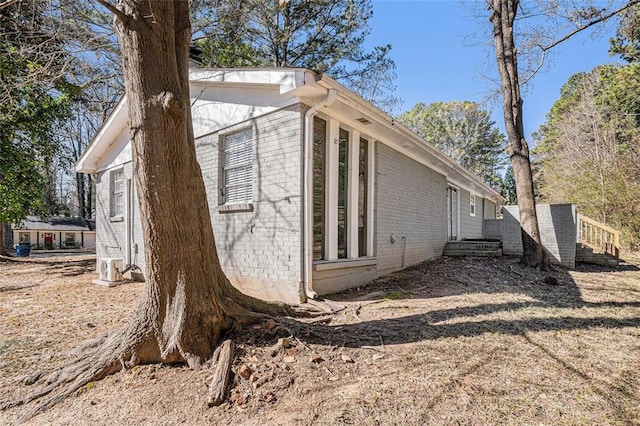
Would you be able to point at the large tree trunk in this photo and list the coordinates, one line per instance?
(503, 13)
(188, 303)
(80, 195)
(3, 249)
(182, 313)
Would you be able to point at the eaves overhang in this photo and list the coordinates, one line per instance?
(400, 137)
(88, 161)
(308, 87)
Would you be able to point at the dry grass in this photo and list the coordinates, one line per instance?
(461, 341)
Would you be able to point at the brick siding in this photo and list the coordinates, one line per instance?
(410, 203)
(557, 224)
(261, 250)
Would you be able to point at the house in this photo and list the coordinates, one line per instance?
(57, 232)
(311, 188)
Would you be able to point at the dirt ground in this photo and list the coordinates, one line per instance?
(451, 341)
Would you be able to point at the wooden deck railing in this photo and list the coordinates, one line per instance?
(598, 236)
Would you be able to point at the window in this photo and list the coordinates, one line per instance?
(69, 239)
(363, 167)
(342, 199)
(472, 205)
(343, 189)
(117, 193)
(319, 154)
(24, 237)
(237, 169)
(452, 213)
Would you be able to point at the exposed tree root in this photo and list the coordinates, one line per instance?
(137, 344)
(96, 360)
(247, 309)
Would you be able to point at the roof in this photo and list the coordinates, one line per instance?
(408, 142)
(301, 85)
(57, 223)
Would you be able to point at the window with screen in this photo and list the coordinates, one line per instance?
(237, 169)
(117, 193)
(319, 154)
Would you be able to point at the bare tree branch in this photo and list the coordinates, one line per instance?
(533, 73)
(119, 14)
(589, 24)
(8, 3)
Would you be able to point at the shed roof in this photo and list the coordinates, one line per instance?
(57, 223)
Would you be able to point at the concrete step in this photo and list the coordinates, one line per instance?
(473, 245)
(586, 255)
(473, 253)
(586, 251)
(604, 259)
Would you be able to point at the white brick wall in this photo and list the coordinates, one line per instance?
(261, 250)
(557, 224)
(111, 234)
(411, 203)
(493, 228)
(489, 209)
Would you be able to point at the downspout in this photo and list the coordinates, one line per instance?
(308, 191)
(127, 223)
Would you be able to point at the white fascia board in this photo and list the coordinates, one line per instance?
(287, 79)
(420, 150)
(110, 129)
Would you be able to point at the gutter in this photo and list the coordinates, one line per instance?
(308, 191)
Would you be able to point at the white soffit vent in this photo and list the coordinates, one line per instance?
(364, 120)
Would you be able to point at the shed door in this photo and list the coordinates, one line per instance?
(452, 213)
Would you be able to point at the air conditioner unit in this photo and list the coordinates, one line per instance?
(109, 269)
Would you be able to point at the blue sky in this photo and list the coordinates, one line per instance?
(437, 47)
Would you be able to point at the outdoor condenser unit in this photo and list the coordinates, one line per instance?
(109, 269)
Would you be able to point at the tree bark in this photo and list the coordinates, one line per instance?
(89, 197)
(3, 249)
(182, 309)
(188, 302)
(80, 195)
(503, 13)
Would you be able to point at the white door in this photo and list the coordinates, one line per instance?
(452, 213)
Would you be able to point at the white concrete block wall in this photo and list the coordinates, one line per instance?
(261, 250)
(557, 224)
(511, 237)
(411, 203)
